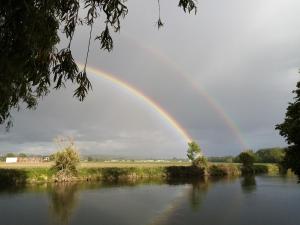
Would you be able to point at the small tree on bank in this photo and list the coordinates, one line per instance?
(193, 151)
(194, 154)
(66, 160)
(247, 158)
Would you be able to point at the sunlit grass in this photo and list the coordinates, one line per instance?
(95, 164)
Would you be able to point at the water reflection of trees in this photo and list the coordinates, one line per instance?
(197, 192)
(63, 197)
(248, 183)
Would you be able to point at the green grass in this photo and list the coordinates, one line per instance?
(95, 164)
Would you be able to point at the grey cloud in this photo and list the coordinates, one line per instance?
(245, 54)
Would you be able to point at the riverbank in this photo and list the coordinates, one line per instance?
(17, 174)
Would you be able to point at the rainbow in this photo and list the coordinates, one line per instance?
(213, 103)
(146, 99)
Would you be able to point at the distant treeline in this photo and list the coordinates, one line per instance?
(266, 155)
(3, 157)
(22, 155)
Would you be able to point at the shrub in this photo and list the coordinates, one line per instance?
(223, 170)
(200, 162)
(215, 170)
(270, 155)
(66, 160)
(259, 168)
(184, 172)
(247, 158)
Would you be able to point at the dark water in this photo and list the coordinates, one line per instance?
(262, 200)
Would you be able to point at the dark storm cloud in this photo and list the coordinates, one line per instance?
(245, 54)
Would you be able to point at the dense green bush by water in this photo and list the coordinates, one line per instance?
(224, 170)
(19, 176)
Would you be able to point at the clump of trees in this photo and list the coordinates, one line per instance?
(290, 130)
(10, 154)
(270, 155)
(194, 154)
(66, 160)
(266, 155)
(225, 159)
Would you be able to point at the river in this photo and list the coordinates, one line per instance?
(260, 200)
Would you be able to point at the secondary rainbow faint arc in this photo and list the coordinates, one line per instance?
(198, 88)
(162, 112)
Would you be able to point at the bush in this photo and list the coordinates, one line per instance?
(200, 162)
(223, 159)
(66, 161)
(247, 158)
(258, 168)
(223, 170)
(174, 172)
(215, 170)
(270, 155)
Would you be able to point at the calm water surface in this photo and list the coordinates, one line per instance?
(262, 200)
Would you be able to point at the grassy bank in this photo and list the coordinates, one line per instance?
(233, 169)
(39, 175)
(15, 173)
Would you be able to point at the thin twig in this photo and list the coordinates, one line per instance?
(88, 50)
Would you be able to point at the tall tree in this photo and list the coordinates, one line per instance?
(290, 130)
(31, 64)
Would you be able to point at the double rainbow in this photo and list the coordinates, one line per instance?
(146, 99)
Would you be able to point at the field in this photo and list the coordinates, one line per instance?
(94, 164)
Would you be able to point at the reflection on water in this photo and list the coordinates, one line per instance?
(248, 183)
(234, 201)
(64, 199)
(197, 192)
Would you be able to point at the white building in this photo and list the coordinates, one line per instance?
(11, 159)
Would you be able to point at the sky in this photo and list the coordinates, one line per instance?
(225, 75)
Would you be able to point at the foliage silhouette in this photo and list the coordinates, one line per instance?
(31, 64)
(290, 130)
(9, 177)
